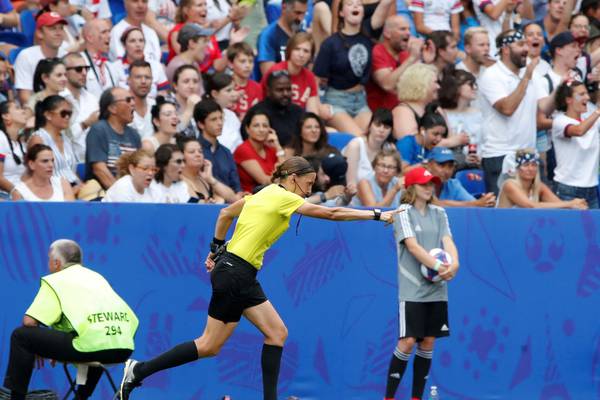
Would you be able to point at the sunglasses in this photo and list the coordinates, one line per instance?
(79, 69)
(65, 113)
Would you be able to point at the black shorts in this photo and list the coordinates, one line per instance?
(420, 319)
(234, 288)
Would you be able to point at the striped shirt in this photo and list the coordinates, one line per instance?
(65, 162)
(428, 229)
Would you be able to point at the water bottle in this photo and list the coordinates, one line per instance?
(433, 393)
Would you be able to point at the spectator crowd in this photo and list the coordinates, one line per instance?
(170, 102)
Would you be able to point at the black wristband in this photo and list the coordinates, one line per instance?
(215, 244)
(376, 214)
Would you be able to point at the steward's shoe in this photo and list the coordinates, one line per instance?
(128, 383)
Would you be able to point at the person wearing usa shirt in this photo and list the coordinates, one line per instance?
(438, 15)
(136, 14)
(305, 91)
(241, 63)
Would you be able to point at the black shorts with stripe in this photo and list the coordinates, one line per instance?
(423, 319)
(234, 288)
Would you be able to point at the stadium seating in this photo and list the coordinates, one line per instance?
(472, 180)
(339, 140)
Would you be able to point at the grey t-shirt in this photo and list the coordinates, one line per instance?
(104, 144)
(428, 229)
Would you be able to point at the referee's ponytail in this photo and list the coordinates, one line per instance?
(294, 165)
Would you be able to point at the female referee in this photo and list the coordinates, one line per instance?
(423, 311)
(263, 218)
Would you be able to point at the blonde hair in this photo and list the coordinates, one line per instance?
(132, 159)
(415, 82)
(409, 195)
(471, 32)
(537, 181)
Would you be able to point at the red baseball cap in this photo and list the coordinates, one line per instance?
(420, 176)
(49, 19)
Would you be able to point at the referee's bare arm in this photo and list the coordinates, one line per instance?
(343, 213)
(226, 217)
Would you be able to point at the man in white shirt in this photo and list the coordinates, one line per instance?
(85, 105)
(101, 75)
(136, 14)
(140, 83)
(477, 49)
(50, 34)
(509, 104)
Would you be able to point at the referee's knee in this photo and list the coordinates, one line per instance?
(277, 336)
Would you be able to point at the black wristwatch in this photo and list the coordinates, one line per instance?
(377, 214)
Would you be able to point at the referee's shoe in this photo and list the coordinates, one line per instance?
(128, 383)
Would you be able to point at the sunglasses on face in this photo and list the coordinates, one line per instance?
(79, 69)
(65, 113)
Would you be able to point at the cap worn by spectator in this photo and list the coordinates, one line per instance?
(420, 176)
(441, 155)
(192, 31)
(561, 40)
(49, 19)
(335, 166)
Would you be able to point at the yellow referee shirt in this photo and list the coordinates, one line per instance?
(264, 218)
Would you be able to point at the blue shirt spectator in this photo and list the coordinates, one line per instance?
(411, 151)
(451, 193)
(224, 168)
(452, 189)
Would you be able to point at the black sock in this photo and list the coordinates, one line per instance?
(181, 354)
(421, 367)
(17, 396)
(395, 372)
(270, 361)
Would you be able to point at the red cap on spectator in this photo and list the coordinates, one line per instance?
(420, 176)
(49, 19)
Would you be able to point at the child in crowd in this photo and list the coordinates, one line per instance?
(241, 63)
